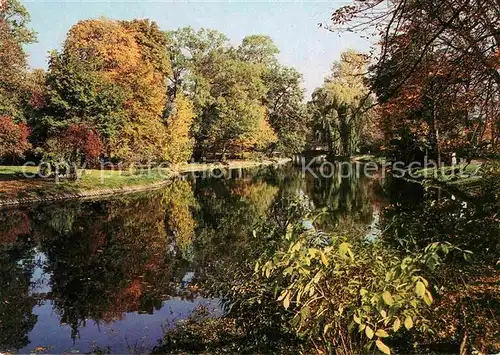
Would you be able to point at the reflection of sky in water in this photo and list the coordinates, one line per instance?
(139, 331)
(39, 280)
(134, 330)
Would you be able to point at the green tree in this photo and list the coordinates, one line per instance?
(339, 106)
(78, 92)
(226, 92)
(287, 111)
(14, 33)
(258, 49)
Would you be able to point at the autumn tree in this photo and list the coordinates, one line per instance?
(76, 145)
(226, 91)
(441, 59)
(111, 75)
(13, 138)
(179, 138)
(14, 33)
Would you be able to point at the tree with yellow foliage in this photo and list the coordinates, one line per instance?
(180, 143)
(128, 61)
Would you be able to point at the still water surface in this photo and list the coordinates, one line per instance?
(115, 273)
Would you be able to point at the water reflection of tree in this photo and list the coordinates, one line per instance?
(180, 205)
(106, 258)
(348, 199)
(16, 268)
(229, 210)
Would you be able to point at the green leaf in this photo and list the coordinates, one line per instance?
(396, 325)
(381, 333)
(420, 289)
(382, 347)
(369, 332)
(387, 297)
(408, 323)
(305, 312)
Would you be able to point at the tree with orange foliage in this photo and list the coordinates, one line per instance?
(121, 68)
(13, 138)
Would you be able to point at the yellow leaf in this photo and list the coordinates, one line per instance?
(396, 325)
(387, 297)
(323, 259)
(420, 289)
(381, 333)
(282, 296)
(344, 248)
(286, 301)
(428, 298)
(408, 323)
(382, 347)
(369, 332)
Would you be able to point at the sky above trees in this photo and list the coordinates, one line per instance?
(292, 25)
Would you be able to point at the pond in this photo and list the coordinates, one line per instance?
(114, 274)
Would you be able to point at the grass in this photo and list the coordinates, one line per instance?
(17, 182)
(461, 174)
(15, 172)
(368, 158)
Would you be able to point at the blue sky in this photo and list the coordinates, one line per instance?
(293, 25)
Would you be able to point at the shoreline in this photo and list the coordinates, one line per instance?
(170, 174)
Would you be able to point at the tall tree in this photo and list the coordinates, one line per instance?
(336, 105)
(286, 108)
(258, 49)
(226, 92)
(14, 33)
(111, 75)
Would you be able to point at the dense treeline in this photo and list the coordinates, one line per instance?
(126, 91)
(142, 94)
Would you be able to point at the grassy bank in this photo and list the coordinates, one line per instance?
(18, 184)
(472, 182)
(461, 174)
